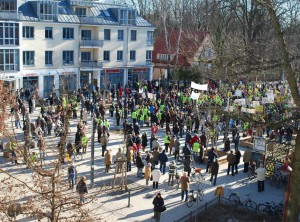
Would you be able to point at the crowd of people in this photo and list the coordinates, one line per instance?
(189, 126)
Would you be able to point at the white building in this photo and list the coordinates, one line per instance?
(69, 44)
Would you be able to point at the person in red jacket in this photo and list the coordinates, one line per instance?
(194, 139)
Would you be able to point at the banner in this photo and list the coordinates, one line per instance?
(245, 110)
(266, 100)
(195, 96)
(199, 86)
(259, 109)
(240, 102)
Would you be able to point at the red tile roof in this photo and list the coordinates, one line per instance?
(189, 44)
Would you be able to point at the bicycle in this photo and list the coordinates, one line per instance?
(192, 198)
(272, 208)
(278, 178)
(248, 203)
(196, 174)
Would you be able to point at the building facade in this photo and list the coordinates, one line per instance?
(59, 46)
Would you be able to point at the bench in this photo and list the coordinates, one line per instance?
(246, 142)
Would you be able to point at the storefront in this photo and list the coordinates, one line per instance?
(68, 81)
(51, 81)
(111, 77)
(138, 75)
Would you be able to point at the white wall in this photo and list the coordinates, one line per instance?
(39, 45)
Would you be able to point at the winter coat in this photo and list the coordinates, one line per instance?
(237, 157)
(247, 156)
(231, 158)
(108, 158)
(163, 158)
(214, 168)
(156, 175)
(185, 182)
(261, 174)
(158, 204)
(148, 172)
(139, 162)
(81, 187)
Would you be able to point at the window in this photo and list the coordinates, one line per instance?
(163, 57)
(106, 34)
(47, 11)
(106, 56)
(48, 58)
(150, 38)
(7, 5)
(68, 57)
(81, 12)
(85, 56)
(68, 33)
(9, 59)
(133, 35)
(28, 58)
(86, 34)
(148, 56)
(106, 13)
(121, 35)
(127, 17)
(120, 55)
(48, 33)
(132, 55)
(28, 32)
(9, 33)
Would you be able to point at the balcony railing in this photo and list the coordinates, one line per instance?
(81, 3)
(10, 15)
(91, 43)
(91, 64)
(90, 20)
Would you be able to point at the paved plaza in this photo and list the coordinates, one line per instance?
(112, 205)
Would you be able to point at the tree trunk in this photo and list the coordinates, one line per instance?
(293, 205)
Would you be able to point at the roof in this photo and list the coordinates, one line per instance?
(67, 15)
(189, 45)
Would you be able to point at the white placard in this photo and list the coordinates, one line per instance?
(150, 95)
(259, 144)
(195, 96)
(238, 93)
(255, 103)
(199, 86)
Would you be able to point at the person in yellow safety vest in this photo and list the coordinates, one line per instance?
(75, 108)
(12, 147)
(211, 134)
(64, 103)
(167, 141)
(106, 124)
(84, 142)
(162, 107)
(138, 113)
(133, 116)
(196, 150)
(100, 121)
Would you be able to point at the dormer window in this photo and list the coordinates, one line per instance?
(127, 16)
(47, 11)
(81, 12)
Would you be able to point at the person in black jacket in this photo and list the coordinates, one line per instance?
(158, 203)
(81, 189)
(163, 159)
(139, 165)
(237, 160)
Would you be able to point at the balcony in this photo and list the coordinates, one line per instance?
(91, 65)
(86, 3)
(91, 43)
(10, 15)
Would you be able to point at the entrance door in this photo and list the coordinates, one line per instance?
(30, 82)
(48, 85)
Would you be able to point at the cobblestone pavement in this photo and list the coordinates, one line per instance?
(113, 205)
